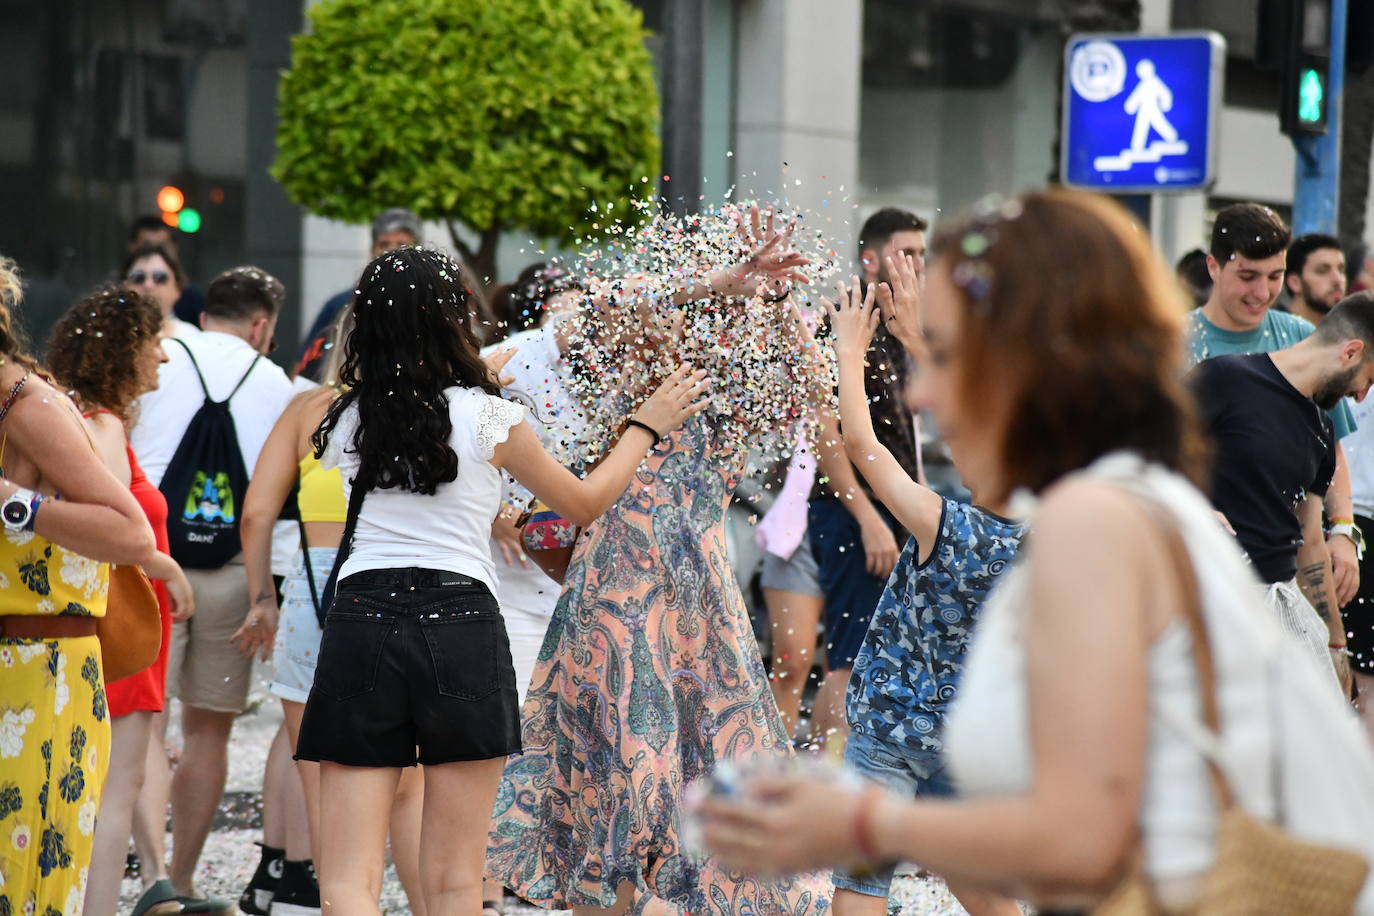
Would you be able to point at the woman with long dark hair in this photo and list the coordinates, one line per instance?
(54, 579)
(287, 468)
(415, 665)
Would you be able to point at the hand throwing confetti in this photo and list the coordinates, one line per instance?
(719, 290)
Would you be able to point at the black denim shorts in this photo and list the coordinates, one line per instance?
(411, 659)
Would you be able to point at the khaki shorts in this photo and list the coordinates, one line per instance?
(204, 669)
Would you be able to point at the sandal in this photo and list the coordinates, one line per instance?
(158, 900)
(206, 906)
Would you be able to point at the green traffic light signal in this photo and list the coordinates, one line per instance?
(188, 220)
(1311, 95)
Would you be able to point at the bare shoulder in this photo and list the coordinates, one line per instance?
(39, 403)
(1099, 522)
(106, 424)
(1098, 531)
(313, 403)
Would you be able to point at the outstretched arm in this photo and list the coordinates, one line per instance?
(582, 501)
(768, 264)
(917, 507)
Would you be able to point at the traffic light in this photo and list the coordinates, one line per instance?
(171, 200)
(1306, 66)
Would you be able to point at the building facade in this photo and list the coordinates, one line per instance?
(837, 106)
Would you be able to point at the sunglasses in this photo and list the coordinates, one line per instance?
(156, 277)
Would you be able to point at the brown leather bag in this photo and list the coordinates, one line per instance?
(130, 633)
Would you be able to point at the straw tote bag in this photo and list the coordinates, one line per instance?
(130, 633)
(1259, 868)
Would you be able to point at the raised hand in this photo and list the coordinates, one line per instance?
(679, 397)
(853, 319)
(900, 303)
(771, 265)
(496, 361)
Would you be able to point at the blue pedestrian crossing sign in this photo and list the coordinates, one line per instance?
(1140, 112)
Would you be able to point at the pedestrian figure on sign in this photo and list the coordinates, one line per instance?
(1148, 102)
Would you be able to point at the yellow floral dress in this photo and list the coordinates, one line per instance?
(54, 730)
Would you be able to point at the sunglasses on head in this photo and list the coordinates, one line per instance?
(156, 277)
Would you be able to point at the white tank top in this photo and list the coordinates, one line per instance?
(987, 734)
(449, 530)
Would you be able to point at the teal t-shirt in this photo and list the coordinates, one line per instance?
(1275, 332)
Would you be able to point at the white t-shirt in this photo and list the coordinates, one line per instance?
(164, 414)
(1359, 456)
(181, 328)
(541, 384)
(450, 529)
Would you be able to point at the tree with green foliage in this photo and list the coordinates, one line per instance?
(494, 116)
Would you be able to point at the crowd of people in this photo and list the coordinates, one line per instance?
(482, 541)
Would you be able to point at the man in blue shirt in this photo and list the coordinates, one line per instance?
(1247, 262)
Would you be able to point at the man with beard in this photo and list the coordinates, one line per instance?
(1274, 459)
(1315, 275)
(1247, 261)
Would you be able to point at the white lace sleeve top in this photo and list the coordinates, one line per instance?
(451, 529)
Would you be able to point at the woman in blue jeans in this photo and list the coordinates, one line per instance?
(415, 665)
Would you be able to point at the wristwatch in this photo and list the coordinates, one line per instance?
(18, 511)
(1350, 530)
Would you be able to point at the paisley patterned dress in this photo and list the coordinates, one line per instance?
(648, 676)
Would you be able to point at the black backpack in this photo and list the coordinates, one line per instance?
(205, 483)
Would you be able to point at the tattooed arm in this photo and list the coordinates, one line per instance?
(1317, 582)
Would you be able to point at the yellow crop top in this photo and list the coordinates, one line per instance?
(322, 495)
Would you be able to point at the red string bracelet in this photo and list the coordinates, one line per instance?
(863, 838)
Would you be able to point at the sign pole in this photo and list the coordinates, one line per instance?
(1317, 178)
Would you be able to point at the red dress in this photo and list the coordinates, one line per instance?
(147, 690)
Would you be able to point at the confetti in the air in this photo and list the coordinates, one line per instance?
(647, 311)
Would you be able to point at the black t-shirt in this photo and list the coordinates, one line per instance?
(1271, 447)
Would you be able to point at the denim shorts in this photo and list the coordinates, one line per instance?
(412, 659)
(298, 630)
(896, 767)
(851, 594)
(797, 574)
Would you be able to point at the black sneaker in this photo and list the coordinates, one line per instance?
(257, 897)
(298, 892)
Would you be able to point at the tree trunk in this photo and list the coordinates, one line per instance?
(482, 262)
(1357, 137)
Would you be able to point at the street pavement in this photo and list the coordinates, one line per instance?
(230, 856)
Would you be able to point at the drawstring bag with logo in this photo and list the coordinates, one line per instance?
(205, 483)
